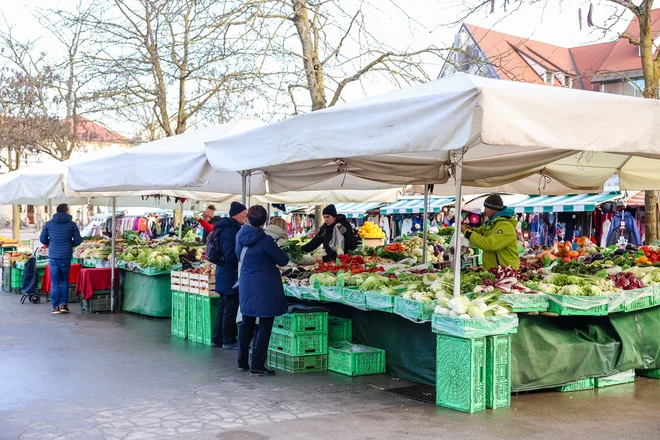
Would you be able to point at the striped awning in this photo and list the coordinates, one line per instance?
(415, 205)
(638, 199)
(356, 210)
(568, 203)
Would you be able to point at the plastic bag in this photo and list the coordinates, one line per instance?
(475, 327)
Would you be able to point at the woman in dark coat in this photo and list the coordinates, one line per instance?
(332, 221)
(261, 291)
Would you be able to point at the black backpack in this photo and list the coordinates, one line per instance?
(214, 252)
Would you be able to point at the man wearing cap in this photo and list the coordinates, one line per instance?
(497, 238)
(225, 330)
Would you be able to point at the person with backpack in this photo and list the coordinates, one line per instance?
(221, 250)
(207, 221)
(60, 234)
(336, 235)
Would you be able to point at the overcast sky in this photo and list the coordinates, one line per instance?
(556, 23)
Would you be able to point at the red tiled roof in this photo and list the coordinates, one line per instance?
(507, 54)
(91, 131)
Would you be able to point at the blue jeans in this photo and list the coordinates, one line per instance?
(59, 281)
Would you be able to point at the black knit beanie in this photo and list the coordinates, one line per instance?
(330, 210)
(494, 201)
(236, 208)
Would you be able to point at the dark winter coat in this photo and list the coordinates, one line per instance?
(60, 234)
(325, 235)
(260, 284)
(631, 232)
(227, 274)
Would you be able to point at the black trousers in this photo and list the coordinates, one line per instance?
(225, 329)
(260, 348)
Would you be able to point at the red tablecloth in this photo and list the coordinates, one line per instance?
(94, 279)
(73, 277)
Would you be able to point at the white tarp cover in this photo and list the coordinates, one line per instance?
(511, 131)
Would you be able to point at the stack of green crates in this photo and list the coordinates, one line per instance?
(299, 342)
(201, 313)
(6, 279)
(339, 330)
(473, 374)
(180, 314)
(16, 279)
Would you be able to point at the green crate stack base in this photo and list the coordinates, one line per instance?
(640, 303)
(179, 314)
(602, 382)
(302, 322)
(99, 302)
(73, 298)
(16, 279)
(340, 329)
(363, 363)
(498, 371)
(461, 373)
(567, 310)
(297, 364)
(299, 344)
(202, 311)
(653, 373)
(6, 279)
(580, 385)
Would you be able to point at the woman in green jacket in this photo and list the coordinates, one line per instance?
(497, 238)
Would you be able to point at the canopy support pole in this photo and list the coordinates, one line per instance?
(112, 260)
(181, 219)
(244, 175)
(457, 224)
(424, 226)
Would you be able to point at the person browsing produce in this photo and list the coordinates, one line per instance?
(336, 235)
(497, 238)
(225, 329)
(278, 230)
(262, 295)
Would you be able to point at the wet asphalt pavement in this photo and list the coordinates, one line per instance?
(121, 376)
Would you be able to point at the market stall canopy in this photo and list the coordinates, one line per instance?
(637, 199)
(508, 130)
(476, 204)
(327, 197)
(356, 210)
(415, 205)
(569, 203)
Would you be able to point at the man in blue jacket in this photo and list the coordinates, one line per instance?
(225, 330)
(60, 234)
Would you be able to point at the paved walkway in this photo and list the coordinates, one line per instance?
(123, 377)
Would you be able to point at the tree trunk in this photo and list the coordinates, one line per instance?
(651, 204)
(313, 67)
(16, 222)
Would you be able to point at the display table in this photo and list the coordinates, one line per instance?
(91, 280)
(147, 295)
(74, 273)
(546, 351)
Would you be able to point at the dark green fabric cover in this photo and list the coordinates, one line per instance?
(147, 295)
(546, 351)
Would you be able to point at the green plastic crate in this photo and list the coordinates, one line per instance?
(498, 371)
(355, 298)
(414, 310)
(180, 314)
(299, 344)
(634, 302)
(475, 327)
(331, 294)
(97, 303)
(297, 364)
(461, 373)
(340, 329)
(615, 379)
(656, 293)
(302, 322)
(653, 373)
(580, 385)
(527, 303)
(565, 305)
(73, 297)
(202, 312)
(381, 302)
(356, 360)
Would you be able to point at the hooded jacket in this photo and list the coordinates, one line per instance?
(631, 232)
(60, 234)
(227, 274)
(260, 283)
(324, 237)
(278, 234)
(498, 241)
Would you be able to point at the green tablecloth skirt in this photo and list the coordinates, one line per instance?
(546, 351)
(147, 295)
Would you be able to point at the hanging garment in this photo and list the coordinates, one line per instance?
(406, 227)
(630, 232)
(385, 226)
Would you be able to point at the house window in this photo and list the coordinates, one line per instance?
(549, 77)
(568, 82)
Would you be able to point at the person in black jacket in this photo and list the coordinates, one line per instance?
(334, 224)
(60, 234)
(225, 330)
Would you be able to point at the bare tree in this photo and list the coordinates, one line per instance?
(648, 50)
(324, 46)
(174, 57)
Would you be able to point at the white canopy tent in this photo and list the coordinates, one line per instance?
(482, 132)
